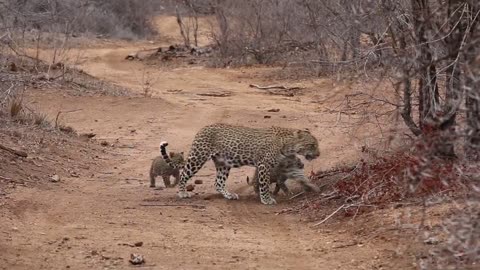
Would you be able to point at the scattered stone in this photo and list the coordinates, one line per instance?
(198, 182)
(220, 226)
(136, 259)
(55, 178)
(94, 253)
(138, 244)
(104, 143)
(131, 56)
(190, 187)
(267, 116)
(273, 110)
(14, 228)
(431, 241)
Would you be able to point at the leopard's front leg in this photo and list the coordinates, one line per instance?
(264, 184)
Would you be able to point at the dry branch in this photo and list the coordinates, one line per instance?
(334, 172)
(13, 151)
(329, 216)
(174, 205)
(215, 94)
(269, 87)
(296, 195)
(5, 178)
(60, 112)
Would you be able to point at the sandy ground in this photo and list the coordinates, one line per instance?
(93, 221)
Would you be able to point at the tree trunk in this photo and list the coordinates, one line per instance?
(472, 147)
(437, 132)
(472, 87)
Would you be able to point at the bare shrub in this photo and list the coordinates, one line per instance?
(120, 18)
(16, 107)
(307, 32)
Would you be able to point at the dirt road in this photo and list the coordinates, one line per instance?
(93, 222)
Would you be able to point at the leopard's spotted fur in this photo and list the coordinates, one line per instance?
(231, 146)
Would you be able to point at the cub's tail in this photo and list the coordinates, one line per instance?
(165, 156)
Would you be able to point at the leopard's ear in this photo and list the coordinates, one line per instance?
(172, 154)
(302, 133)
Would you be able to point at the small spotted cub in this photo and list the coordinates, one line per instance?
(161, 168)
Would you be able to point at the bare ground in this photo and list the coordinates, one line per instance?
(93, 220)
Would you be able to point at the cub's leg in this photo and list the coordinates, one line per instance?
(264, 183)
(152, 176)
(166, 180)
(176, 175)
(277, 188)
(281, 185)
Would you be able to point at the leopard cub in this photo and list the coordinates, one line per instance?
(160, 167)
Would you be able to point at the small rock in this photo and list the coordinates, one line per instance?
(136, 259)
(94, 252)
(267, 116)
(431, 241)
(104, 143)
(190, 187)
(273, 110)
(198, 182)
(55, 178)
(138, 244)
(14, 228)
(133, 131)
(220, 226)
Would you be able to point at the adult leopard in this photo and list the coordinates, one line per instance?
(231, 146)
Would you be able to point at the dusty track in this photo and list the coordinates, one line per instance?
(84, 223)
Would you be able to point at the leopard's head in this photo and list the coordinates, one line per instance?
(306, 144)
(177, 158)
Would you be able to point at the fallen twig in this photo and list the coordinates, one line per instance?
(354, 243)
(269, 87)
(334, 171)
(174, 205)
(58, 115)
(5, 178)
(13, 151)
(215, 94)
(296, 195)
(329, 216)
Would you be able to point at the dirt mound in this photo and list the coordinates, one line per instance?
(40, 157)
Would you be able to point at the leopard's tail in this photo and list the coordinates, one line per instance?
(165, 156)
